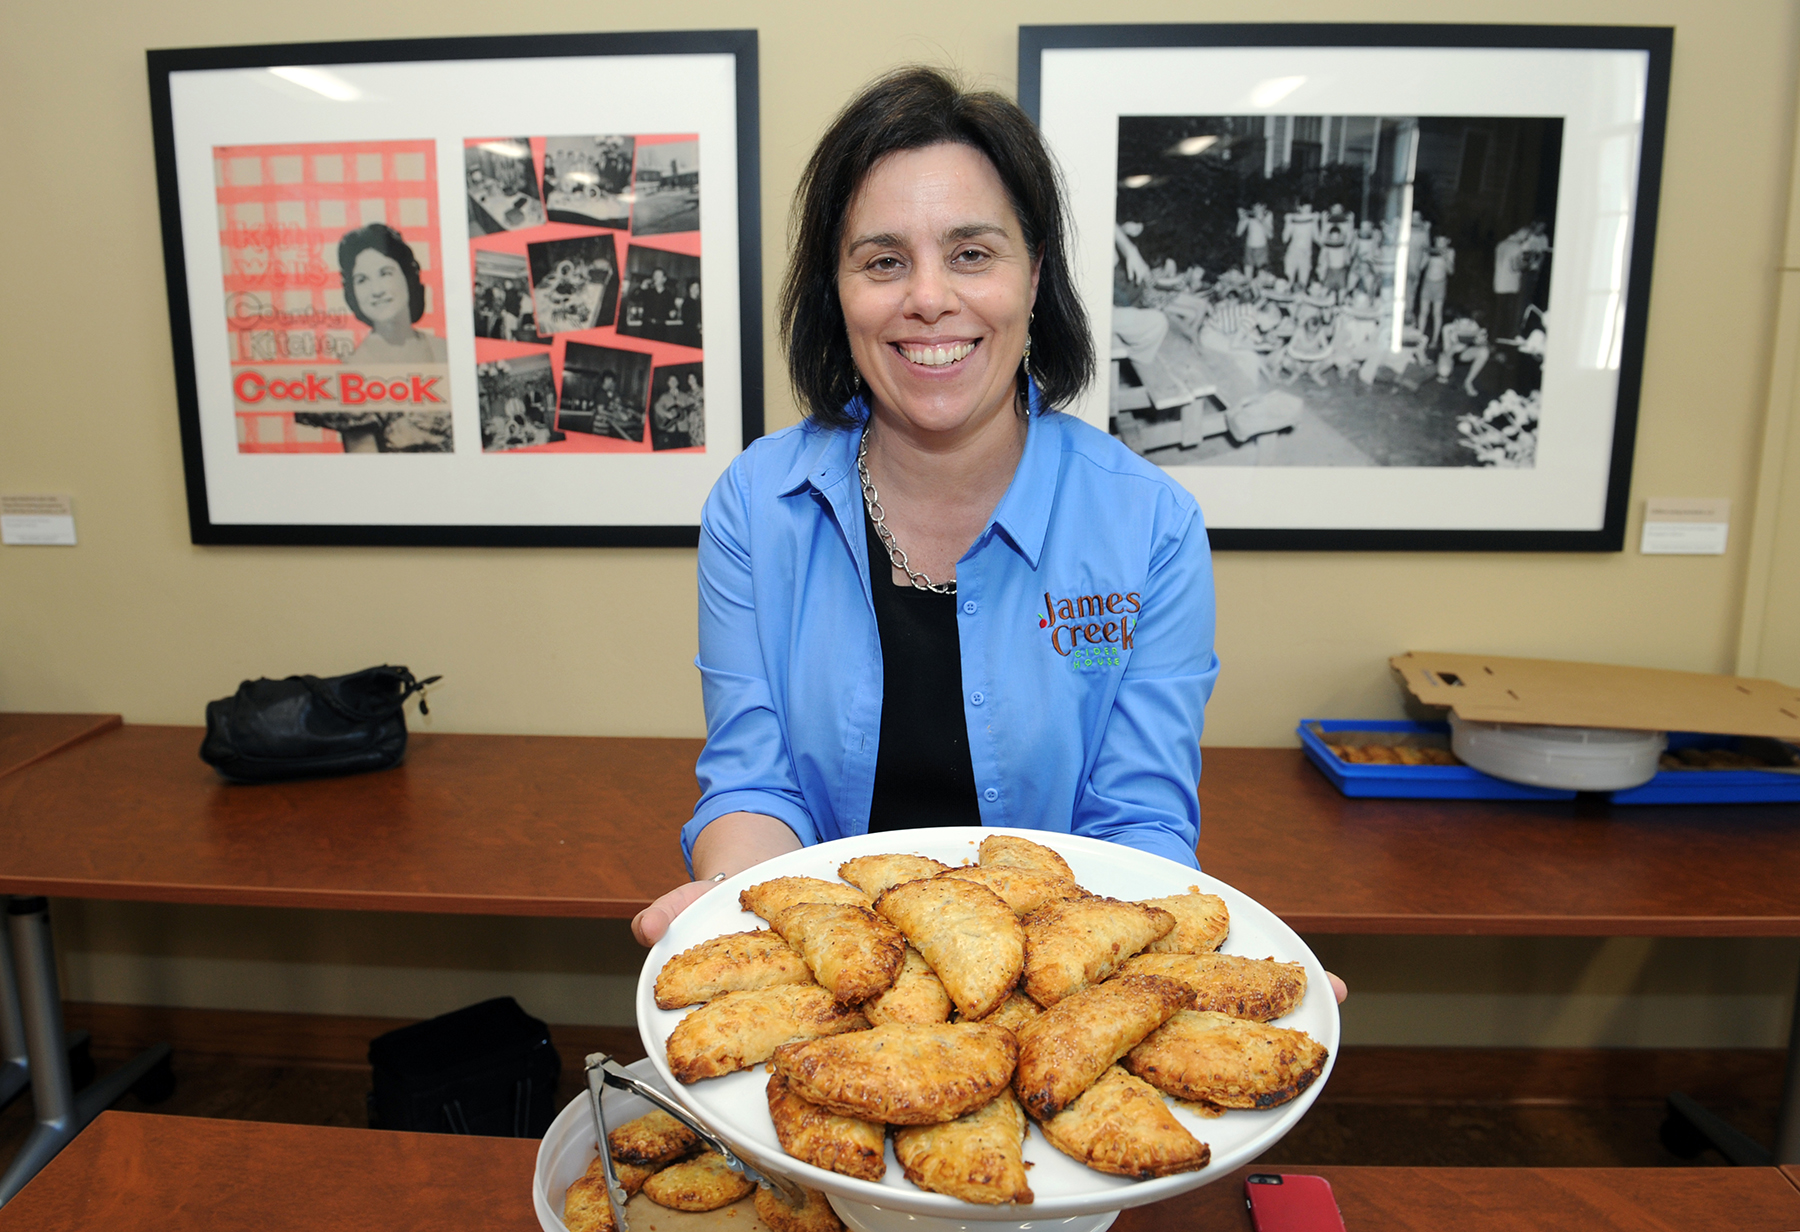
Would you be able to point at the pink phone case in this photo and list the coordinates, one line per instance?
(1286, 1202)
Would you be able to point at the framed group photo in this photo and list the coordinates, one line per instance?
(1377, 287)
(495, 291)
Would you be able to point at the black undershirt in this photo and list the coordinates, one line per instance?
(923, 775)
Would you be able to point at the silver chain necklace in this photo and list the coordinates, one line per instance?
(878, 519)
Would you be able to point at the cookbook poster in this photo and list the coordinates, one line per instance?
(585, 256)
(334, 297)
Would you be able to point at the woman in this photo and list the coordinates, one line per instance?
(382, 287)
(938, 601)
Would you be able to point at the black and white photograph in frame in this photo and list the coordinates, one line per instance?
(503, 303)
(1261, 264)
(396, 121)
(604, 391)
(1378, 287)
(661, 297)
(678, 406)
(518, 403)
(574, 283)
(587, 180)
(665, 189)
(503, 187)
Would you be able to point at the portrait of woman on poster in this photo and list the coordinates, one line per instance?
(383, 289)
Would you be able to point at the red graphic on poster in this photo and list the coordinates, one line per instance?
(585, 254)
(334, 297)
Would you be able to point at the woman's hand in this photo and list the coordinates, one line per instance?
(728, 845)
(1339, 989)
(653, 921)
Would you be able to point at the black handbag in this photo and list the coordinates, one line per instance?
(311, 727)
(488, 1069)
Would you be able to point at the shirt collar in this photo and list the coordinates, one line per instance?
(1023, 514)
(829, 457)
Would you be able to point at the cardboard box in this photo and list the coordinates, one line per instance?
(1493, 689)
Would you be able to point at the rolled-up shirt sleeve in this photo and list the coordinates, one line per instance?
(746, 765)
(1142, 789)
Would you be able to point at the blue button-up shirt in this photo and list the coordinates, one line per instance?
(1085, 614)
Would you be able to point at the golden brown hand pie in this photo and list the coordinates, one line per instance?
(741, 1029)
(1008, 850)
(1081, 941)
(1014, 1012)
(632, 1176)
(1202, 922)
(1022, 889)
(1217, 1059)
(873, 874)
(903, 1073)
(968, 935)
(815, 1216)
(654, 1138)
(703, 1183)
(824, 1139)
(732, 963)
(767, 898)
(1254, 988)
(978, 1157)
(585, 1208)
(852, 951)
(917, 995)
(1064, 1050)
(1121, 1125)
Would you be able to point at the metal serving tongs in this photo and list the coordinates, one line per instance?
(602, 1069)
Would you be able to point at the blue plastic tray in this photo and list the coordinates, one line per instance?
(1410, 782)
(1712, 786)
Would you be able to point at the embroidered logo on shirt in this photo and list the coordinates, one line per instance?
(1086, 625)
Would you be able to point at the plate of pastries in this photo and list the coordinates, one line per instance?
(985, 1024)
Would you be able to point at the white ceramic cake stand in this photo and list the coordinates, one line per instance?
(1069, 1196)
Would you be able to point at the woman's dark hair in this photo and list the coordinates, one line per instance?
(910, 109)
(385, 240)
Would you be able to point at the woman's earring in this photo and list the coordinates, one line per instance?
(1027, 358)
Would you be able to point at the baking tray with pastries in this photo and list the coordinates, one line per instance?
(988, 1024)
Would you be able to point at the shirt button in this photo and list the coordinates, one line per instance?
(969, 607)
(978, 697)
(990, 795)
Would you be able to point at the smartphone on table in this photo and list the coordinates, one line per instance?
(1286, 1202)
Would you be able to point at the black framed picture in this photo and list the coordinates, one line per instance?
(1377, 287)
(461, 259)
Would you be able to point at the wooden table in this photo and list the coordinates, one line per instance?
(502, 825)
(132, 1171)
(561, 826)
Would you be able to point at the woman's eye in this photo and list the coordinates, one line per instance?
(970, 256)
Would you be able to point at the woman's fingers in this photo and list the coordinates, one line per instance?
(1339, 989)
(653, 921)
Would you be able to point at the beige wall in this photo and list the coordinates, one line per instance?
(138, 620)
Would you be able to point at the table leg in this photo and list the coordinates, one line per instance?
(61, 1114)
(1690, 1128)
(1787, 1121)
(15, 1071)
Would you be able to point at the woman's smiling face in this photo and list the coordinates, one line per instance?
(380, 287)
(937, 285)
